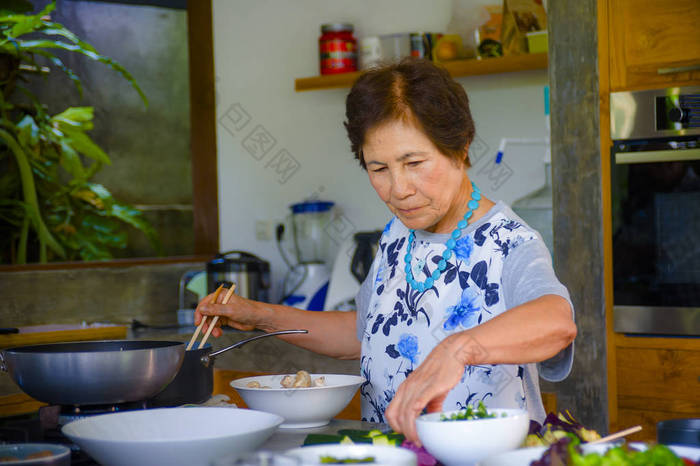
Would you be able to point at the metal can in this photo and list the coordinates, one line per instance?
(337, 48)
(369, 52)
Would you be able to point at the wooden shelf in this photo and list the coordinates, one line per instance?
(457, 68)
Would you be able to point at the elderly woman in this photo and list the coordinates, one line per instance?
(461, 300)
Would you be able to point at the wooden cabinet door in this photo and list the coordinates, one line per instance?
(654, 43)
(657, 379)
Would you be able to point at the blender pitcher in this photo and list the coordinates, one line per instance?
(309, 220)
(306, 283)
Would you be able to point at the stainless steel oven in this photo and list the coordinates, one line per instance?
(655, 188)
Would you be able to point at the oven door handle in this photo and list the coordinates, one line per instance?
(678, 69)
(653, 156)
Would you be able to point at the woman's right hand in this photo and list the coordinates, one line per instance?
(239, 313)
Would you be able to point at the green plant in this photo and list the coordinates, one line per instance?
(49, 208)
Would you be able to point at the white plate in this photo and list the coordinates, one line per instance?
(300, 407)
(172, 436)
(383, 455)
(60, 455)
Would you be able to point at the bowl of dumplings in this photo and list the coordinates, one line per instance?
(302, 399)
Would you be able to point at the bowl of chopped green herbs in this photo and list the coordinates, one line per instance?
(466, 436)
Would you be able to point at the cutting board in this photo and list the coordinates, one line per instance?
(39, 334)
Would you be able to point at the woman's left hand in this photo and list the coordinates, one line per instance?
(427, 386)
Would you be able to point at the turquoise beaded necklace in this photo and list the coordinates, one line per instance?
(442, 265)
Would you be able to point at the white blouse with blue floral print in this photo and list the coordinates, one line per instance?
(399, 326)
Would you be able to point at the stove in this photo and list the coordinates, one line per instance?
(68, 414)
(45, 425)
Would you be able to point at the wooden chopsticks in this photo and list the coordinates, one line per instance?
(212, 324)
(616, 435)
(204, 318)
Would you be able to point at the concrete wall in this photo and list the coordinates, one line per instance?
(147, 293)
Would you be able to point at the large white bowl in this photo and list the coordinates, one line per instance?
(383, 455)
(172, 436)
(525, 456)
(466, 442)
(300, 407)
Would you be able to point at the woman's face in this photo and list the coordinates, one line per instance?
(417, 182)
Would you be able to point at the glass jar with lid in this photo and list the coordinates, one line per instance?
(337, 48)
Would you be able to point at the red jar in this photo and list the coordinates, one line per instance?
(337, 48)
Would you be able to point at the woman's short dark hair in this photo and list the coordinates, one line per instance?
(416, 91)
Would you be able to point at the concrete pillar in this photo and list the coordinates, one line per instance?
(578, 221)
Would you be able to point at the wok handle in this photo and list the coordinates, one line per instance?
(210, 357)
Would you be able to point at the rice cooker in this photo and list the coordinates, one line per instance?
(250, 274)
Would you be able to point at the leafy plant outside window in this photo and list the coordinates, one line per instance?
(49, 208)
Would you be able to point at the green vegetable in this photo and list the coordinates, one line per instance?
(320, 439)
(556, 426)
(391, 440)
(375, 437)
(50, 209)
(353, 436)
(567, 451)
(353, 433)
(658, 455)
(469, 413)
(334, 460)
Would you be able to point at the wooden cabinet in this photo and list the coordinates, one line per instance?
(657, 379)
(645, 44)
(42, 334)
(653, 44)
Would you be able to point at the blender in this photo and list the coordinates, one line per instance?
(306, 283)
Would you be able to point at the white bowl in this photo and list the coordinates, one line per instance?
(300, 407)
(466, 442)
(172, 436)
(383, 455)
(525, 456)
